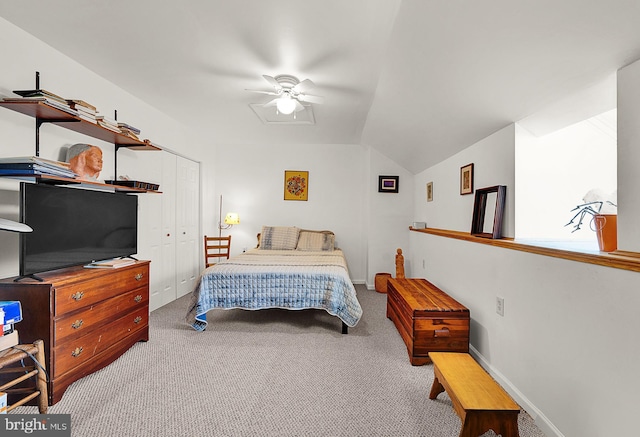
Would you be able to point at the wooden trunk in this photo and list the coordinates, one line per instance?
(428, 319)
(86, 317)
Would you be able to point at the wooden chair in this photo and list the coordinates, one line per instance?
(215, 248)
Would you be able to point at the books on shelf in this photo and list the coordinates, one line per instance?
(128, 127)
(111, 263)
(108, 123)
(46, 97)
(46, 101)
(85, 110)
(34, 165)
(41, 93)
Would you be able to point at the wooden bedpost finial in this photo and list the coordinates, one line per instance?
(399, 264)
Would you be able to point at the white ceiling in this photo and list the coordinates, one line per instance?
(418, 80)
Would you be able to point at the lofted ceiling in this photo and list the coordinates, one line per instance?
(418, 80)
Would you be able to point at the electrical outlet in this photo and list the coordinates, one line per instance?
(500, 305)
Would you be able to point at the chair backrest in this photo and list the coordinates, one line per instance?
(216, 248)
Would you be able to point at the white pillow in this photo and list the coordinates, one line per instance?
(279, 237)
(316, 240)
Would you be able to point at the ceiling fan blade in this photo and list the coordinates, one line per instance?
(310, 98)
(304, 86)
(274, 83)
(270, 93)
(299, 107)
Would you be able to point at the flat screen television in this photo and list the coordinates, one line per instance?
(73, 226)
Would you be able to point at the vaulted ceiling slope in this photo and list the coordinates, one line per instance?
(418, 80)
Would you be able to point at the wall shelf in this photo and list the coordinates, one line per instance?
(619, 259)
(48, 114)
(44, 112)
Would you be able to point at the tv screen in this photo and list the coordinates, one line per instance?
(73, 226)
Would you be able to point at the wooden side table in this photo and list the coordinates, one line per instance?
(24, 354)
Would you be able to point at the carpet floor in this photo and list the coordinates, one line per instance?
(264, 373)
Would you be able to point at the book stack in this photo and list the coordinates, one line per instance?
(129, 130)
(34, 166)
(85, 110)
(44, 96)
(111, 263)
(108, 123)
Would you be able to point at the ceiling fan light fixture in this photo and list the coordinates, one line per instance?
(285, 104)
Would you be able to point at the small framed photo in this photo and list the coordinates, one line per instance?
(466, 179)
(296, 185)
(429, 191)
(388, 184)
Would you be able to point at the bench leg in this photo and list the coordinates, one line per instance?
(477, 423)
(436, 388)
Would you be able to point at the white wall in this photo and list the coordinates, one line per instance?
(251, 181)
(566, 346)
(388, 218)
(555, 171)
(493, 159)
(628, 157)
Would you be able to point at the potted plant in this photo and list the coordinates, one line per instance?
(602, 208)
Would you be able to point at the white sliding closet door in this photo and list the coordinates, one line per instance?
(167, 267)
(188, 244)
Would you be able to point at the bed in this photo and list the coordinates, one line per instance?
(291, 268)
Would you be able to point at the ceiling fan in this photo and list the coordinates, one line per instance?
(291, 92)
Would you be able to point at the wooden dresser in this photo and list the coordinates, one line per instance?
(86, 317)
(428, 319)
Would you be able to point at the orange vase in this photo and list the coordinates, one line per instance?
(607, 231)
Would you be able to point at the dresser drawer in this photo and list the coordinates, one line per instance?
(77, 295)
(77, 351)
(95, 316)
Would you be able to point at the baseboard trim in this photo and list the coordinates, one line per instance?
(541, 421)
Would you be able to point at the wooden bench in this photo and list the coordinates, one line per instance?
(477, 398)
(427, 318)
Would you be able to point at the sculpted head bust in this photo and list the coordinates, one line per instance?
(85, 160)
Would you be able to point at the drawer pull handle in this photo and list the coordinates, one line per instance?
(139, 276)
(77, 296)
(137, 320)
(138, 298)
(77, 324)
(76, 352)
(444, 332)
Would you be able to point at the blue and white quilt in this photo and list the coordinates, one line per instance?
(289, 279)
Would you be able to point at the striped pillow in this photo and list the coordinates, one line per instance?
(279, 238)
(316, 240)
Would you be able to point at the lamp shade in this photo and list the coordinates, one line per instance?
(232, 218)
(286, 105)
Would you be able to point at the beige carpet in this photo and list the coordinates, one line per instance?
(264, 373)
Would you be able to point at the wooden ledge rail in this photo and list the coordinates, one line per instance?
(619, 259)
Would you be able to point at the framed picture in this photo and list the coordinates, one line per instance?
(296, 185)
(429, 191)
(388, 184)
(466, 179)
